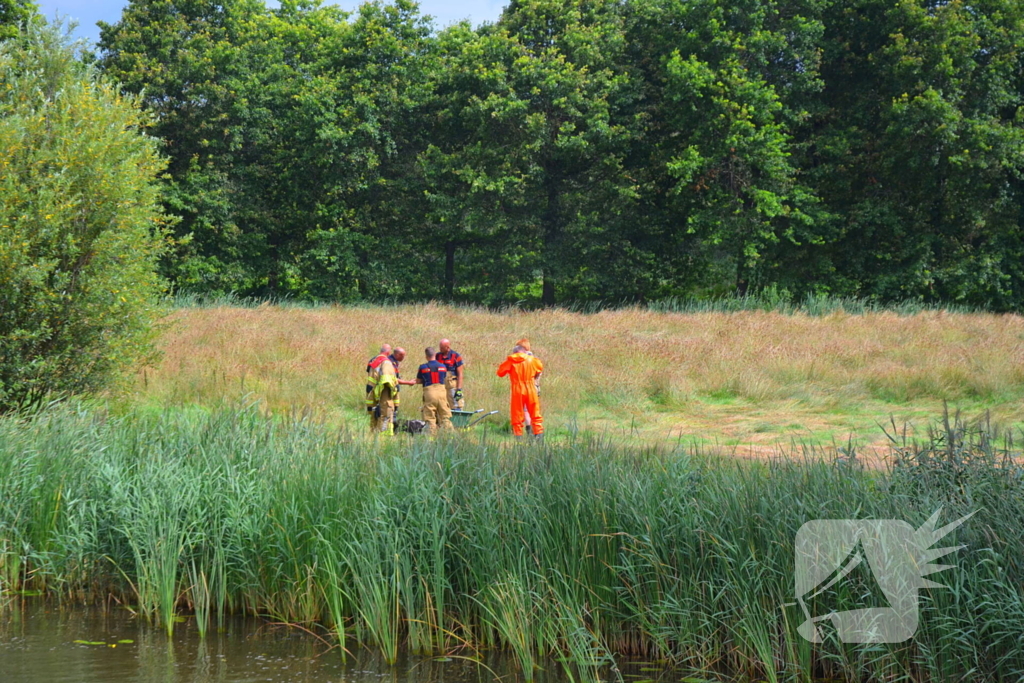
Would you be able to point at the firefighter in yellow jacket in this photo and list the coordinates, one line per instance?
(382, 384)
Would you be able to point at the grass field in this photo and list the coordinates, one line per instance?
(746, 379)
(577, 550)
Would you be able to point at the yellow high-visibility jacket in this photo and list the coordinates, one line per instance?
(384, 375)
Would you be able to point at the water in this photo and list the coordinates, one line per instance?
(37, 645)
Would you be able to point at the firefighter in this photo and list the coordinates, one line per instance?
(454, 364)
(383, 382)
(432, 376)
(385, 351)
(522, 369)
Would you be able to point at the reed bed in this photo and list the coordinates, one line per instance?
(580, 550)
(659, 372)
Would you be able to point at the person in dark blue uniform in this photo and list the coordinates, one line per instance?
(432, 375)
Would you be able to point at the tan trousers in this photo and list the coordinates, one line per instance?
(385, 423)
(436, 412)
(450, 383)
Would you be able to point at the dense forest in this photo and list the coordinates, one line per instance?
(579, 150)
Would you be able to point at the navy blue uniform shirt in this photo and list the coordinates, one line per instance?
(431, 372)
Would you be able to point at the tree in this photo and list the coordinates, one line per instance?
(724, 84)
(588, 149)
(15, 13)
(530, 159)
(80, 227)
(287, 131)
(358, 125)
(916, 145)
(183, 58)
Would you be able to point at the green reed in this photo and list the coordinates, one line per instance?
(575, 552)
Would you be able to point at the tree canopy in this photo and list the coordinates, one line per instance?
(14, 14)
(580, 150)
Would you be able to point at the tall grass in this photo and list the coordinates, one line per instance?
(770, 299)
(662, 372)
(781, 301)
(579, 551)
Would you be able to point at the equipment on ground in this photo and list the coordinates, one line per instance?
(411, 426)
(463, 419)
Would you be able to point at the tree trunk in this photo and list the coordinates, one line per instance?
(552, 228)
(547, 294)
(742, 284)
(742, 271)
(741, 280)
(449, 269)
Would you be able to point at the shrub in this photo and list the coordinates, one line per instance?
(80, 227)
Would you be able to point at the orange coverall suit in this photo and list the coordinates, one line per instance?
(521, 369)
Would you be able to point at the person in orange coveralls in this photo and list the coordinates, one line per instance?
(521, 369)
(525, 343)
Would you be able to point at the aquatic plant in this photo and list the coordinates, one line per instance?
(580, 550)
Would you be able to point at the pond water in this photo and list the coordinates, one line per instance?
(41, 642)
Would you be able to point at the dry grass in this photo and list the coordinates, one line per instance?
(747, 377)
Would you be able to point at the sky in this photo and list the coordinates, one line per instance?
(88, 12)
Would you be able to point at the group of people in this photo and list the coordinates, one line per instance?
(441, 377)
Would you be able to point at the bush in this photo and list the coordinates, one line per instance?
(80, 227)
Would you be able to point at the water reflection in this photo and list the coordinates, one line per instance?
(37, 644)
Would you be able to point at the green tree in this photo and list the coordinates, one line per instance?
(15, 13)
(529, 163)
(288, 132)
(183, 57)
(80, 227)
(358, 125)
(916, 145)
(580, 149)
(724, 82)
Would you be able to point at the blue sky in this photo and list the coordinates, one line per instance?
(88, 12)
